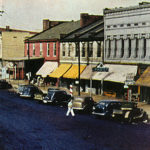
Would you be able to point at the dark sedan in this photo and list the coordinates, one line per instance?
(29, 91)
(4, 84)
(57, 97)
(105, 108)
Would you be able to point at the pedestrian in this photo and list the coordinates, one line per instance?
(70, 108)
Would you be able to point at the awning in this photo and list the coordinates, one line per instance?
(117, 73)
(73, 71)
(47, 68)
(87, 72)
(60, 71)
(144, 79)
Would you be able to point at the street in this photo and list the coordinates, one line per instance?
(28, 125)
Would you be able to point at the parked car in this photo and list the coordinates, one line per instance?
(105, 108)
(20, 89)
(57, 97)
(4, 84)
(29, 91)
(83, 103)
(129, 112)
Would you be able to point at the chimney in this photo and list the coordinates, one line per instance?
(7, 28)
(86, 19)
(46, 24)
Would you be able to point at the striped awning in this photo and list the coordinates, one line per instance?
(47, 68)
(60, 71)
(73, 72)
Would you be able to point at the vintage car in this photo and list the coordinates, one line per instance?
(129, 112)
(57, 96)
(4, 84)
(104, 108)
(83, 103)
(29, 91)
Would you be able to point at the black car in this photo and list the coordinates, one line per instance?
(57, 97)
(29, 91)
(83, 103)
(129, 112)
(4, 84)
(105, 108)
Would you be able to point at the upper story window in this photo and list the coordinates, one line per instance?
(144, 47)
(77, 49)
(109, 47)
(122, 47)
(41, 49)
(48, 49)
(83, 49)
(121, 25)
(69, 49)
(63, 49)
(90, 49)
(143, 23)
(128, 25)
(54, 49)
(135, 24)
(33, 49)
(137, 47)
(108, 26)
(129, 47)
(99, 49)
(114, 26)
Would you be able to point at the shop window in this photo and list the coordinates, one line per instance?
(122, 47)
(136, 47)
(99, 49)
(77, 49)
(129, 47)
(115, 53)
(109, 47)
(90, 49)
(69, 49)
(83, 49)
(144, 48)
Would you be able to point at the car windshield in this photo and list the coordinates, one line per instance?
(27, 90)
(50, 94)
(103, 104)
(128, 105)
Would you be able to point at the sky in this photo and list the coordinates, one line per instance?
(29, 14)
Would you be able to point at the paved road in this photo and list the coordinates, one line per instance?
(28, 125)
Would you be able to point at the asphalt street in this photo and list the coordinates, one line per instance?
(27, 125)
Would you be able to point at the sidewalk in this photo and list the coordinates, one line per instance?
(16, 83)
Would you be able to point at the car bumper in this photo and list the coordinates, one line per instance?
(99, 114)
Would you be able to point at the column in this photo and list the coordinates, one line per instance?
(112, 53)
(148, 49)
(126, 48)
(140, 53)
(133, 46)
(106, 48)
(118, 54)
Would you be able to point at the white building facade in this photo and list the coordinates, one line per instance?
(127, 34)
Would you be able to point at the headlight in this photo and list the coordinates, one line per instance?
(93, 108)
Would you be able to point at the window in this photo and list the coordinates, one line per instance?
(98, 49)
(129, 47)
(136, 47)
(69, 49)
(108, 26)
(41, 49)
(77, 49)
(48, 49)
(83, 49)
(109, 47)
(90, 49)
(143, 23)
(144, 47)
(34, 49)
(136, 24)
(115, 54)
(114, 26)
(63, 49)
(54, 49)
(128, 25)
(122, 47)
(121, 25)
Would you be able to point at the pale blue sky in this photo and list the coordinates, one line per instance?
(28, 14)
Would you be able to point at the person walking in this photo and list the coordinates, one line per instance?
(70, 109)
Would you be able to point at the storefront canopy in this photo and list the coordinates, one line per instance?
(116, 73)
(47, 68)
(144, 79)
(72, 73)
(87, 73)
(60, 71)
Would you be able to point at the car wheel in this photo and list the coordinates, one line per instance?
(130, 119)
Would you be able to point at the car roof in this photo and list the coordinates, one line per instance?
(109, 101)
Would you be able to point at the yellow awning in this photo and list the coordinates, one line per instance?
(58, 72)
(73, 71)
(144, 79)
